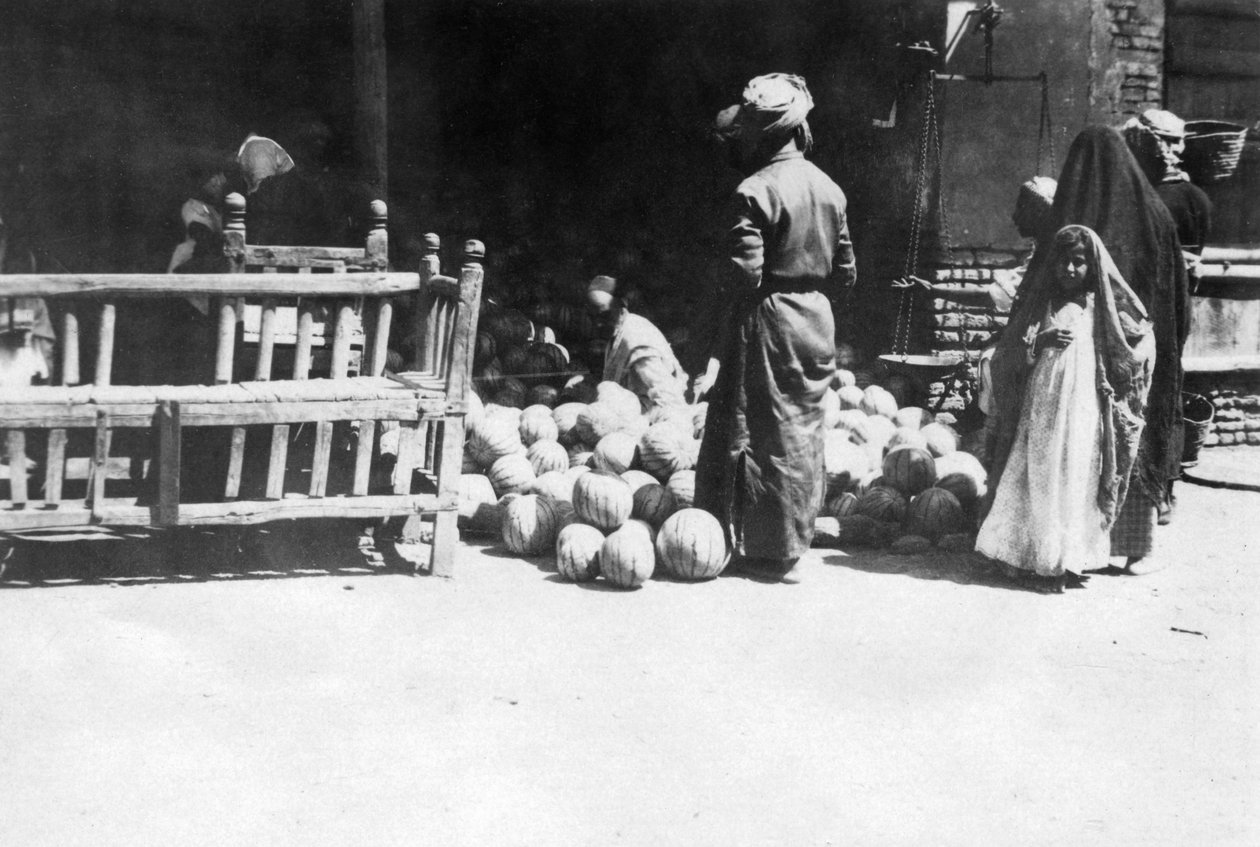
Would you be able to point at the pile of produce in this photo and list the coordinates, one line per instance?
(895, 475)
(543, 360)
(606, 489)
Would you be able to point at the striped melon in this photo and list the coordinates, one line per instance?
(513, 359)
(579, 389)
(575, 471)
(637, 478)
(492, 439)
(624, 401)
(603, 499)
(511, 393)
(581, 458)
(665, 449)
(642, 526)
(469, 465)
(577, 552)
(476, 410)
(879, 431)
(843, 378)
(615, 452)
(566, 417)
(934, 513)
(537, 424)
(964, 488)
(909, 469)
(941, 439)
(547, 456)
(856, 424)
(882, 504)
(598, 420)
(530, 524)
(543, 395)
(511, 474)
(554, 484)
(478, 505)
(682, 484)
(905, 436)
(872, 479)
(652, 503)
(627, 558)
(840, 505)
(692, 545)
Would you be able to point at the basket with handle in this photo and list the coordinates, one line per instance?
(1198, 412)
(1213, 149)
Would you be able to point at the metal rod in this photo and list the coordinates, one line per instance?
(966, 78)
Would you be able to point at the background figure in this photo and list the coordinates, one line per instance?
(1081, 352)
(27, 339)
(760, 468)
(1157, 139)
(1103, 188)
(639, 357)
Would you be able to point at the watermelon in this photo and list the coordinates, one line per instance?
(511, 474)
(623, 400)
(530, 525)
(566, 417)
(877, 401)
(964, 488)
(913, 417)
(905, 436)
(603, 500)
(934, 513)
(627, 558)
(637, 479)
(652, 503)
(537, 424)
(843, 461)
(577, 552)
(616, 452)
(881, 504)
(547, 456)
(554, 484)
(692, 545)
(964, 463)
(909, 469)
(492, 439)
(682, 484)
(842, 378)
(665, 449)
(850, 397)
(542, 395)
(841, 504)
(941, 439)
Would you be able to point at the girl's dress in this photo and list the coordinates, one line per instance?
(1045, 516)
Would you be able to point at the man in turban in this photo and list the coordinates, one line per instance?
(1157, 138)
(760, 470)
(639, 357)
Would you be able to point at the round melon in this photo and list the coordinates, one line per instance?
(964, 463)
(597, 420)
(490, 376)
(554, 484)
(530, 524)
(850, 397)
(966, 490)
(615, 452)
(642, 526)
(882, 504)
(904, 436)
(637, 478)
(576, 471)
(841, 504)
(842, 378)
(511, 393)
(513, 360)
(855, 423)
(682, 484)
(511, 474)
(692, 545)
(843, 461)
(913, 417)
(603, 499)
(537, 424)
(547, 456)
(581, 458)
(483, 349)
(935, 512)
(652, 503)
(909, 469)
(627, 557)
(493, 439)
(665, 449)
(476, 488)
(579, 389)
(577, 552)
(879, 431)
(873, 479)
(941, 439)
(877, 401)
(476, 410)
(566, 417)
(623, 400)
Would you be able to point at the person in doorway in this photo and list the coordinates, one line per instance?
(639, 357)
(1157, 140)
(760, 470)
(1078, 357)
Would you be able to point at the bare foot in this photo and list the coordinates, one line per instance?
(1142, 565)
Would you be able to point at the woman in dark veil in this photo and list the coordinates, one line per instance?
(1103, 187)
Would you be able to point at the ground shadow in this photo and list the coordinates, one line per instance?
(935, 565)
(279, 550)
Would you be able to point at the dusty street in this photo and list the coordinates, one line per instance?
(886, 701)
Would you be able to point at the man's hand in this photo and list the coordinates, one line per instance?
(703, 383)
(911, 282)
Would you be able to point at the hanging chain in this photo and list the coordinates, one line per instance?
(901, 335)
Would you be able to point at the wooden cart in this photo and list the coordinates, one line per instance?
(261, 444)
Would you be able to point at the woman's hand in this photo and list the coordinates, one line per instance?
(1055, 336)
(701, 385)
(911, 282)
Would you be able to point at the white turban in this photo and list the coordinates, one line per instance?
(779, 102)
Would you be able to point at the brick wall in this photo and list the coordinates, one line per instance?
(1236, 400)
(1128, 58)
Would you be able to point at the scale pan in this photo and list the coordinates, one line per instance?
(922, 365)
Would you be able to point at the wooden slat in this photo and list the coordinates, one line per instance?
(105, 346)
(276, 461)
(225, 342)
(42, 416)
(1220, 364)
(1238, 254)
(286, 256)
(169, 436)
(405, 462)
(368, 284)
(54, 467)
(445, 526)
(340, 364)
(100, 460)
(321, 458)
(15, 449)
(70, 348)
(236, 464)
(266, 340)
(380, 339)
(305, 331)
(363, 457)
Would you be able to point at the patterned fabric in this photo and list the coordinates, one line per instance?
(1045, 516)
(1134, 530)
(639, 358)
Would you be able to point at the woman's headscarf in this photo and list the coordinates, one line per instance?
(1103, 187)
(1125, 351)
(261, 158)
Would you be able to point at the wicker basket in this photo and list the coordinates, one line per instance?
(1197, 411)
(1213, 149)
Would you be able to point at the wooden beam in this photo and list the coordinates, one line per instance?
(369, 284)
(371, 108)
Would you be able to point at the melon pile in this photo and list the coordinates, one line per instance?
(543, 358)
(895, 475)
(605, 488)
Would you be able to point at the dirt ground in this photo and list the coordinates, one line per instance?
(295, 693)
